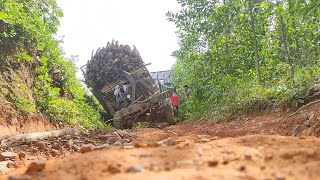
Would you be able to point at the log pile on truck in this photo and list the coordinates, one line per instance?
(105, 63)
(117, 76)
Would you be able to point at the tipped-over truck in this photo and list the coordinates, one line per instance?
(119, 79)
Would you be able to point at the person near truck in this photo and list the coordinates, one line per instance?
(186, 92)
(175, 101)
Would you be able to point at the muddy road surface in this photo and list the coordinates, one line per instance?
(259, 147)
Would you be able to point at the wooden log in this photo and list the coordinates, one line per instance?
(106, 63)
(23, 138)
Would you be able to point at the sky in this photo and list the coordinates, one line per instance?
(90, 24)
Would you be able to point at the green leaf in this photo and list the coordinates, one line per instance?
(41, 77)
(11, 22)
(3, 15)
(262, 5)
(60, 13)
(40, 46)
(44, 59)
(291, 4)
(307, 75)
(26, 56)
(279, 9)
(56, 90)
(268, 11)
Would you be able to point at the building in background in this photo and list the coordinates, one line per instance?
(162, 78)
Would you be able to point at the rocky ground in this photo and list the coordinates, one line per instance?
(267, 146)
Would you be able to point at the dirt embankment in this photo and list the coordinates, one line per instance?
(306, 122)
(260, 147)
(12, 123)
(18, 112)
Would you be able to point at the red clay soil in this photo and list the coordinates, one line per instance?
(304, 123)
(25, 125)
(260, 147)
(12, 123)
(195, 157)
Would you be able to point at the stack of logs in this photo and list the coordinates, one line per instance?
(105, 65)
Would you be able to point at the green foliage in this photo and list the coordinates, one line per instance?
(17, 94)
(24, 105)
(29, 20)
(217, 56)
(141, 124)
(68, 102)
(26, 29)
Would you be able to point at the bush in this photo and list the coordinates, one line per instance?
(56, 90)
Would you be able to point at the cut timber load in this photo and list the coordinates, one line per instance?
(119, 79)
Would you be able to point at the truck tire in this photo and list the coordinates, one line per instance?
(118, 123)
(168, 111)
(128, 124)
(171, 120)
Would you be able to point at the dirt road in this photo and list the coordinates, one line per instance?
(193, 157)
(261, 147)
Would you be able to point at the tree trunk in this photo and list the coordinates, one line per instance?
(297, 49)
(255, 48)
(227, 62)
(286, 50)
(1, 26)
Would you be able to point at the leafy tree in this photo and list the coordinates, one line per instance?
(26, 35)
(258, 51)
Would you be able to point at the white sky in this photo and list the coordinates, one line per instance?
(90, 24)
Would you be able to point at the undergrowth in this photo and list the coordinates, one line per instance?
(26, 37)
(245, 56)
(245, 97)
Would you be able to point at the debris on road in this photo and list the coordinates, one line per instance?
(35, 167)
(135, 169)
(87, 148)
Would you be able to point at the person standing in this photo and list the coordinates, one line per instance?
(175, 102)
(186, 92)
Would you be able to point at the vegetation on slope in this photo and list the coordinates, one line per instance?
(246, 54)
(26, 40)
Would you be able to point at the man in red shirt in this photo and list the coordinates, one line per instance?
(175, 102)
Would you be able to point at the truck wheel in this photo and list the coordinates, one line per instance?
(128, 124)
(168, 112)
(170, 117)
(118, 123)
